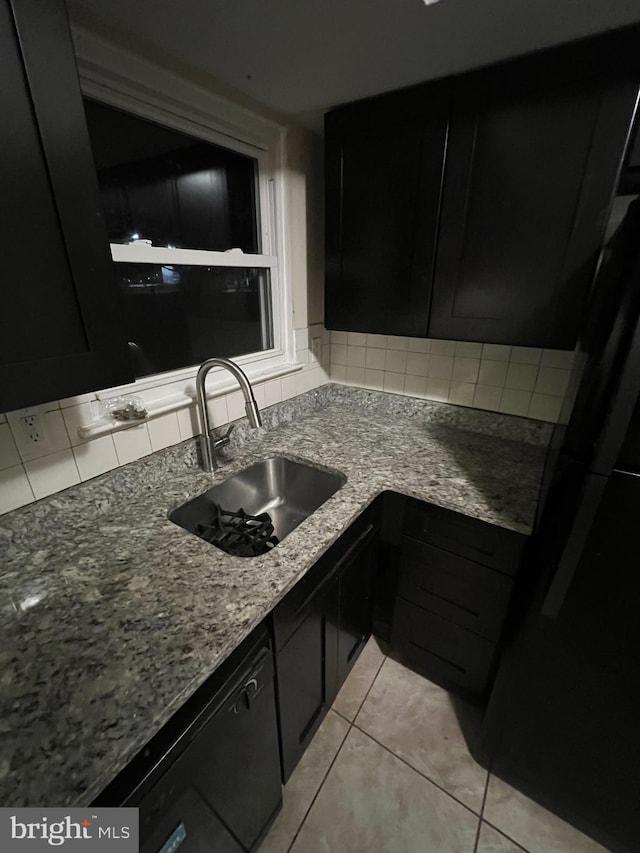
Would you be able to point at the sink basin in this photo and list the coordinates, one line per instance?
(289, 491)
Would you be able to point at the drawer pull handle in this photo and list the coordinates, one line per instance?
(461, 669)
(451, 601)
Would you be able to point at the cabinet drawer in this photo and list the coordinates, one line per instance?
(478, 541)
(464, 592)
(444, 651)
(293, 609)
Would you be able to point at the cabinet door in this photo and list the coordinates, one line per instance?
(60, 331)
(356, 600)
(383, 176)
(532, 159)
(307, 681)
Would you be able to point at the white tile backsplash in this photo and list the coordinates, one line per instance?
(64, 458)
(373, 379)
(52, 473)
(523, 381)
(393, 382)
(272, 392)
(395, 342)
(356, 356)
(164, 431)
(375, 358)
(552, 380)
(95, 457)
(526, 355)
(515, 402)
(377, 341)
(465, 349)
(289, 386)
(356, 339)
(438, 389)
(9, 455)
(440, 367)
(417, 364)
(188, 422)
(395, 361)
(339, 353)
(419, 345)
(235, 405)
(15, 489)
(439, 347)
(132, 443)
(355, 376)
(545, 407)
(518, 380)
(218, 412)
(521, 377)
(493, 372)
(496, 352)
(461, 393)
(415, 386)
(465, 369)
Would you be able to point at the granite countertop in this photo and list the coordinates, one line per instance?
(113, 616)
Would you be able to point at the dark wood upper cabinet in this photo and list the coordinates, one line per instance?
(60, 329)
(504, 249)
(533, 155)
(384, 161)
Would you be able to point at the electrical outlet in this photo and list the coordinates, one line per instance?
(32, 429)
(316, 348)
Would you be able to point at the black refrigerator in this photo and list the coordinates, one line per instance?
(563, 720)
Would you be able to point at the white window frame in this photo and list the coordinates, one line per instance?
(120, 79)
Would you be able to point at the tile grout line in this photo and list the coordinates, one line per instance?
(484, 800)
(335, 757)
(354, 724)
(373, 681)
(502, 832)
(419, 772)
(320, 786)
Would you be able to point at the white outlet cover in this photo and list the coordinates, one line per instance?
(27, 448)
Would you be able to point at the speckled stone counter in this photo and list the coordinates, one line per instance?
(112, 615)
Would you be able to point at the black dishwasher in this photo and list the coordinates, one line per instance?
(210, 779)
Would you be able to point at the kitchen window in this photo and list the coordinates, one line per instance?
(191, 204)
(182, 221)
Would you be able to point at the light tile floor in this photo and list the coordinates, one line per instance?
(389, 771)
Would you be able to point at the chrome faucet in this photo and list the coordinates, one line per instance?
(208, 444)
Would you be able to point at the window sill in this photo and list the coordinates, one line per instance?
(223, 384)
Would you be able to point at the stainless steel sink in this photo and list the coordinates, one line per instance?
(289, 491)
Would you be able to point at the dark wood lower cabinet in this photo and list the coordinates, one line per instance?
(455, 585)
(320, 629)
(356, 601)
(307, 677)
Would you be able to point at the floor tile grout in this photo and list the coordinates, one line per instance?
(484, 800)
(320, 786)
(502, 832)
(419, 772)
(338, 751)
(366, 696)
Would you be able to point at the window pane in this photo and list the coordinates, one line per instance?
(179, 315)
(169, 187)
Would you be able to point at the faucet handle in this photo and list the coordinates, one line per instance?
(224, 440)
